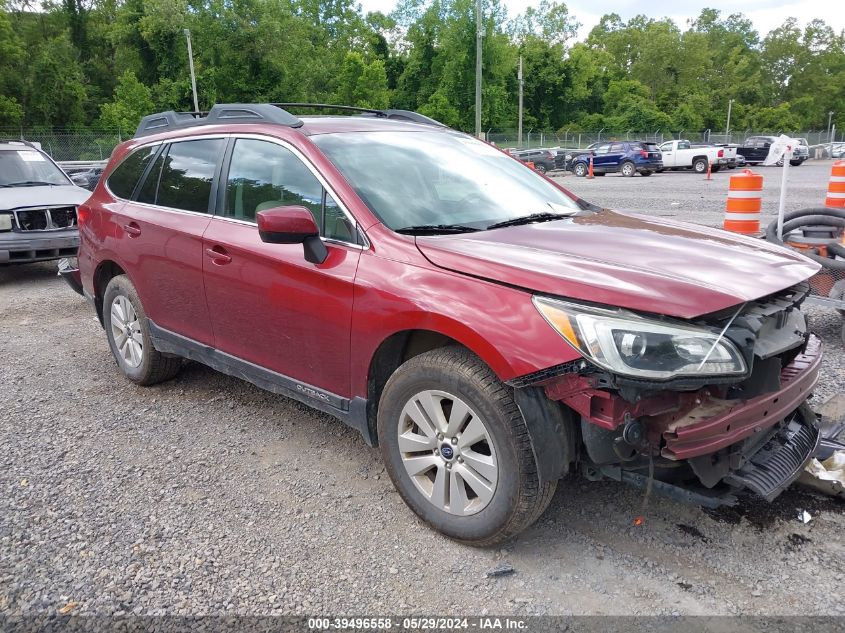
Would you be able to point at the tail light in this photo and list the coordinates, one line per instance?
(643, 153)
(721, 153)
(83, 213)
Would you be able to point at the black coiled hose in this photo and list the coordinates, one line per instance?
(820, 216)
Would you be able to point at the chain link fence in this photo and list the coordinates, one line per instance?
(533, 138)
(92, 145)
(69, 145)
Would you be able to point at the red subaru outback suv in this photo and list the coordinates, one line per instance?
(488, 330)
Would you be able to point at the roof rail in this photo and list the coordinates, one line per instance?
(221, 113)
(18, 140)
(260, 113)
(401, 115)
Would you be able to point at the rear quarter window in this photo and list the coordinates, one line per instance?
(123, 179)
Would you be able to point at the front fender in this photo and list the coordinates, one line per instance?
(498, 323)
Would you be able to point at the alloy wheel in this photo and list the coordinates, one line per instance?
(447, 452)
(126, 331)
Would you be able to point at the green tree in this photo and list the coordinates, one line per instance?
(132, 100)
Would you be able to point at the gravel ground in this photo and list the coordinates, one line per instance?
(206, 495)
(690, 197)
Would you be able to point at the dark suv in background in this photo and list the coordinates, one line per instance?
(543, 159)
(626, 157)
(755, 150)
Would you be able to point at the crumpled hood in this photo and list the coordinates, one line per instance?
(44, 196)
(626, 260)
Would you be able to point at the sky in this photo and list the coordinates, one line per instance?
(765, 14)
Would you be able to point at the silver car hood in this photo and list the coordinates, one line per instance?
(41, 196)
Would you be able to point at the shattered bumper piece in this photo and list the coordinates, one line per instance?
(780, 460)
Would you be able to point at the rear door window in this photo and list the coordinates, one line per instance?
(123, 179)
(149, 188)
(187, 174)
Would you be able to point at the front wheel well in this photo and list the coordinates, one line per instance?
(393, 352)
(105, 272)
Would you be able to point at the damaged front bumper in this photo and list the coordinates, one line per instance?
(721, 443)
(37, 246)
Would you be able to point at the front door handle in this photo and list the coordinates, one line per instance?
(218, 255)
(132, 229)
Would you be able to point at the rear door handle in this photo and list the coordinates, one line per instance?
(132, 229)
(218, 255)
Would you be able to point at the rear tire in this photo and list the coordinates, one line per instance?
(438, 403)
(128, 333)
(628, 169)
(699, 165)
(645, 172)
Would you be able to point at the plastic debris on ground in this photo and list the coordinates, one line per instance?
(502, 569)
(827, 476)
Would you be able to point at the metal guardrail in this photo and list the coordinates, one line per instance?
(74, 166)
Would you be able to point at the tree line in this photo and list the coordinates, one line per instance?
(104, 63)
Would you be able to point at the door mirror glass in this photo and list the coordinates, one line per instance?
(292, 225)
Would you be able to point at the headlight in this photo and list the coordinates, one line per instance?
(5, 221)
(627, 344)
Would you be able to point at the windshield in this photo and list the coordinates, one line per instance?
(27, 166)
(439, 178)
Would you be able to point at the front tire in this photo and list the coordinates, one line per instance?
(457, 448)
(128, 334)
(580, 170)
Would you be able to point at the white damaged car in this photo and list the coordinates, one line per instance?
(38, 205)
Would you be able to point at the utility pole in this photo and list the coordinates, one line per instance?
(191, 64)
(728, 126)
(521, 83)
(479, 33)
(829, 120)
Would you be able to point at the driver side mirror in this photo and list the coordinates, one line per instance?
(292, 225)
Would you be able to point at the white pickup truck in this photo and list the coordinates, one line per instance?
(685, 155)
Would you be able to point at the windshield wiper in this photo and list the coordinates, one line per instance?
(29, 183)
(544, 216)
(422, 229)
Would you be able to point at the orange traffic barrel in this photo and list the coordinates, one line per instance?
(836, 188)
(744, 203)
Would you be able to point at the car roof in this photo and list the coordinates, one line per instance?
(17, 145)
(313, 125)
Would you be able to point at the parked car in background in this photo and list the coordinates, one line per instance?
(625, 157)
(837, 150)
(87, 178)
(682, 154)
(544, 160)
(489, 331)
(800, 153)
(729, 153)
(38, 205)
(755, 149)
